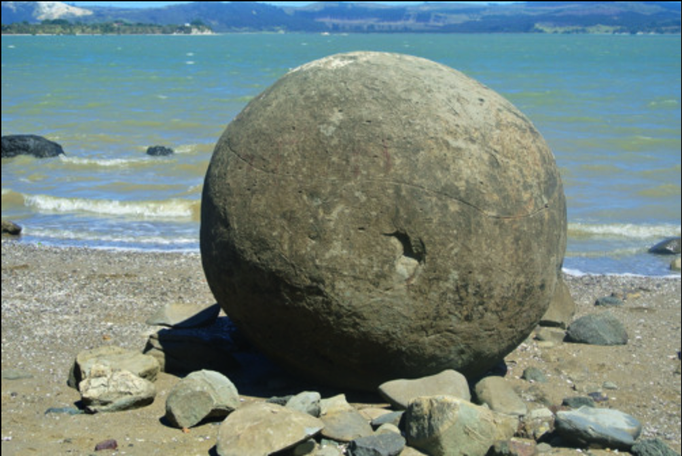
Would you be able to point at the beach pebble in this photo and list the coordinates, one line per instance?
(652, 447)
(389, 444)
(200, 395)
(106, 390)
(533, 374)
(399, 393)
(261, 428)
(64, 411)
(184, 315)
(143, 366)
(443, 425)
(597, 329)
(498, 394)
(109, 444)
(598, 428)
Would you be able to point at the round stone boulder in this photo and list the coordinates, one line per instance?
(374, 216)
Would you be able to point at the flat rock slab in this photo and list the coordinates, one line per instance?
(200, 395)
(598, 428)
(106, 390)
(262, 429)
(345, 426)
(597, 329)
(399, 393)
(389, 444)
(184, 315)
(144, 366)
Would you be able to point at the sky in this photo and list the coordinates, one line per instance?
(138, 4)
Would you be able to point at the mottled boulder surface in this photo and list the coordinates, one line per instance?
(375, 216)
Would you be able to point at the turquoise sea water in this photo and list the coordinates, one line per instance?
(609, 106)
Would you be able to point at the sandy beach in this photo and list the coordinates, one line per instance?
(58, 302)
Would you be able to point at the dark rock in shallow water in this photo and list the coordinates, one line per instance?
(34, 145)
(597, 329)
(10, 228)
(159, 151)
(392, 211)
(667, 247)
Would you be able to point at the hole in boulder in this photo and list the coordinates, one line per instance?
(411, 249)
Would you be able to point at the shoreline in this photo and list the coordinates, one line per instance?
(59, 301)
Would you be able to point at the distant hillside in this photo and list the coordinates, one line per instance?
(347, 17)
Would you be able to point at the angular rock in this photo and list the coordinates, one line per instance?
(498, 394)
(389, 444)
(306, 402)
(184, 315)
(37, 146)
(335, 404)
(561, 307)
(389, 418)
(10, 228)
(261, 429)
(345, 426)
(598, 428)
(597, 329)
(369, 234)
(652, 447)
(608, 301)
(159, 151)
(444, 426)
(399, 393)
(189, 349)
(201, 395)
(117, 358)
(670, 246)
(107, 390)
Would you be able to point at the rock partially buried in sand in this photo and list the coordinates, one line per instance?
(374, 216)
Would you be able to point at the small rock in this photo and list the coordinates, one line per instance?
(388, 427)
(513, 447)
(261, 428)
(577, 402)
(498, 394)
(110, 444)
(652, 447)
(561, 308)
(544, 447)
(598, 428)
(608, 301)
(64, 411)
(537, 423)
(10, 228)
(184, 315)
(597, 329)
(345, 426)
(306, 402)
(392, 418)
(598, 396)
(279, 400)
(448, 383)
(159, 151)
(533, 374)
(200, 395)
(389, 444)
(106, 390)
(444, 426)
(335, 404)
(143, 366)
(15, 374)
(676, 264)
(609, 386)
(670, 246)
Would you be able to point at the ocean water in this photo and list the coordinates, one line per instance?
(609, 106)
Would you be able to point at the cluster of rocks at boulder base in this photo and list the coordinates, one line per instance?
(36, 146)
(389, 209)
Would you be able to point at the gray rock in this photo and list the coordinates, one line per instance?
(144, 366)
(201, 395)
(577, 402)
(11, 228)
(597, 329)
(652, 447)
(676, 264)
(598, 428)
(389, 418)
(64, 411)
(533, 374)
(335, 404)
(261, 429)
(189, 349)
(15, 374)
(498, 394)
(345, 426)
(370, 234)
(159, 151)
(399, 393)
(108, 390)
(513, 447)
(561, 308)
(608, 301)
(388, 428)
(37, 146)
(553, 335)
(306, 402)
(444, 426)
(670, 246)
(389, 444)
(184, 315)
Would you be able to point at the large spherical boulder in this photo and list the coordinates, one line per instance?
(374, 216)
